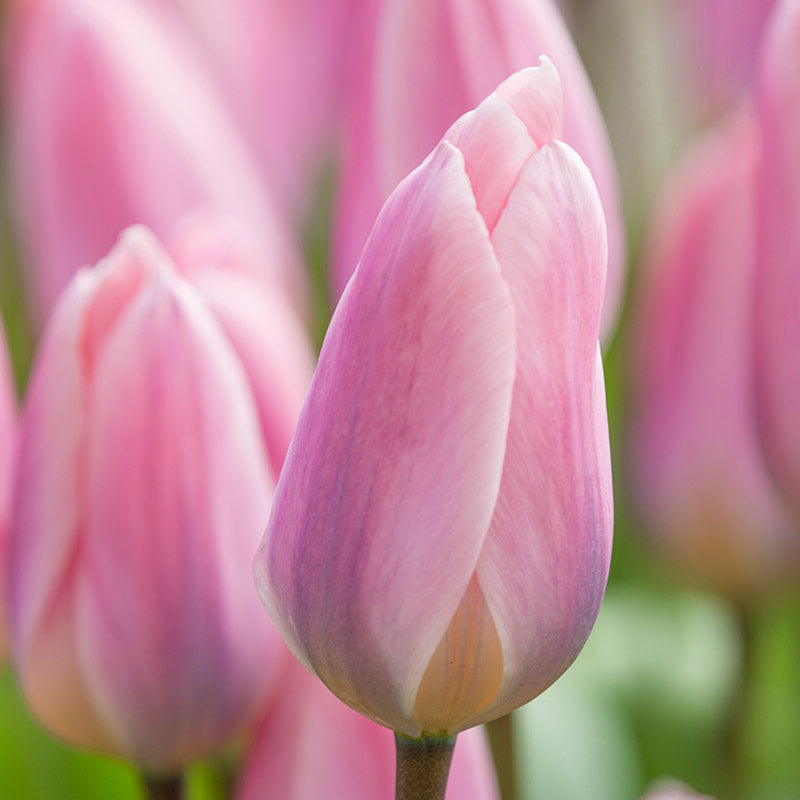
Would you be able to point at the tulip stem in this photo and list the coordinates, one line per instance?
(735, 729)
(423, 766)
(170, 788)
(501, 739)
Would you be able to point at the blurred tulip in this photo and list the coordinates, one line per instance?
(113, 121)
(311, 745)
(777, 285)
(724, 37)
(420, 65)
(697, 468)
(143, 485)
(7, 441)
(252, 46)
(440, 538)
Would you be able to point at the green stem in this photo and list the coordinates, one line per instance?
(423, 766)
(734, 733)
(501, 739)
(170, 788)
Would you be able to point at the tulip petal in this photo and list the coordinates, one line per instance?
(396, 489)
(163, 611)
(43, 570)
(504, 130)
(545, 561)
(778, 247)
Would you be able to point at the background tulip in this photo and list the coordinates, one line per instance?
(440, 539)
(143, 485)
(311, 745)
(279, 64)
(697, 469)
(7, 441)
(114, 120)
(418, 66)
(777, 283)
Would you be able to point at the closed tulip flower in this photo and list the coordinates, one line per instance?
(440, 538)
(705, 494)
(143, 486)
(777, 283)
(310, 745)
(420, 64)
(7, 440)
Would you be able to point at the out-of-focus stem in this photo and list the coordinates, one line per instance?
(734, 733)
(423, 766)
(164, 788)
(501, 739)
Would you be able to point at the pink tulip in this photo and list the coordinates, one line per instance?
(777, 285)
(312, 746)
(252, 46)
(113, 121)
(143, 485)
(7, 440)
(422, 64)
(440, 538)
(702, 484)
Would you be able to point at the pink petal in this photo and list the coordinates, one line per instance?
(544, 564)
(381, 512)
(178, 490)
(8, 425)
(501, 133)
(43, 570)
(778, 246)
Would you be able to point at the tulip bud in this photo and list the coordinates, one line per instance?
(777, 277)
(697, 468)
(143, 485)
(310, 746)
(7, 440)
(440, 538)
(420, 65)
(113, 122)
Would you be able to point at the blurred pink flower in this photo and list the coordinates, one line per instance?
(8, 415)
(697, 469)
(440, 539)
(417, 66)
(114, 121)
(724, 38)
(279, 64)
(143, 485)
(777, 284)
(312, 745)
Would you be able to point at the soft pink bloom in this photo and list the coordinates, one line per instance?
(700, 478)
(724, 36)
(8, 414)
(143, 486)
(418, 66)
(114, 121)
(279, 64)
(311, 745)
(777, 285)
(440, 539)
